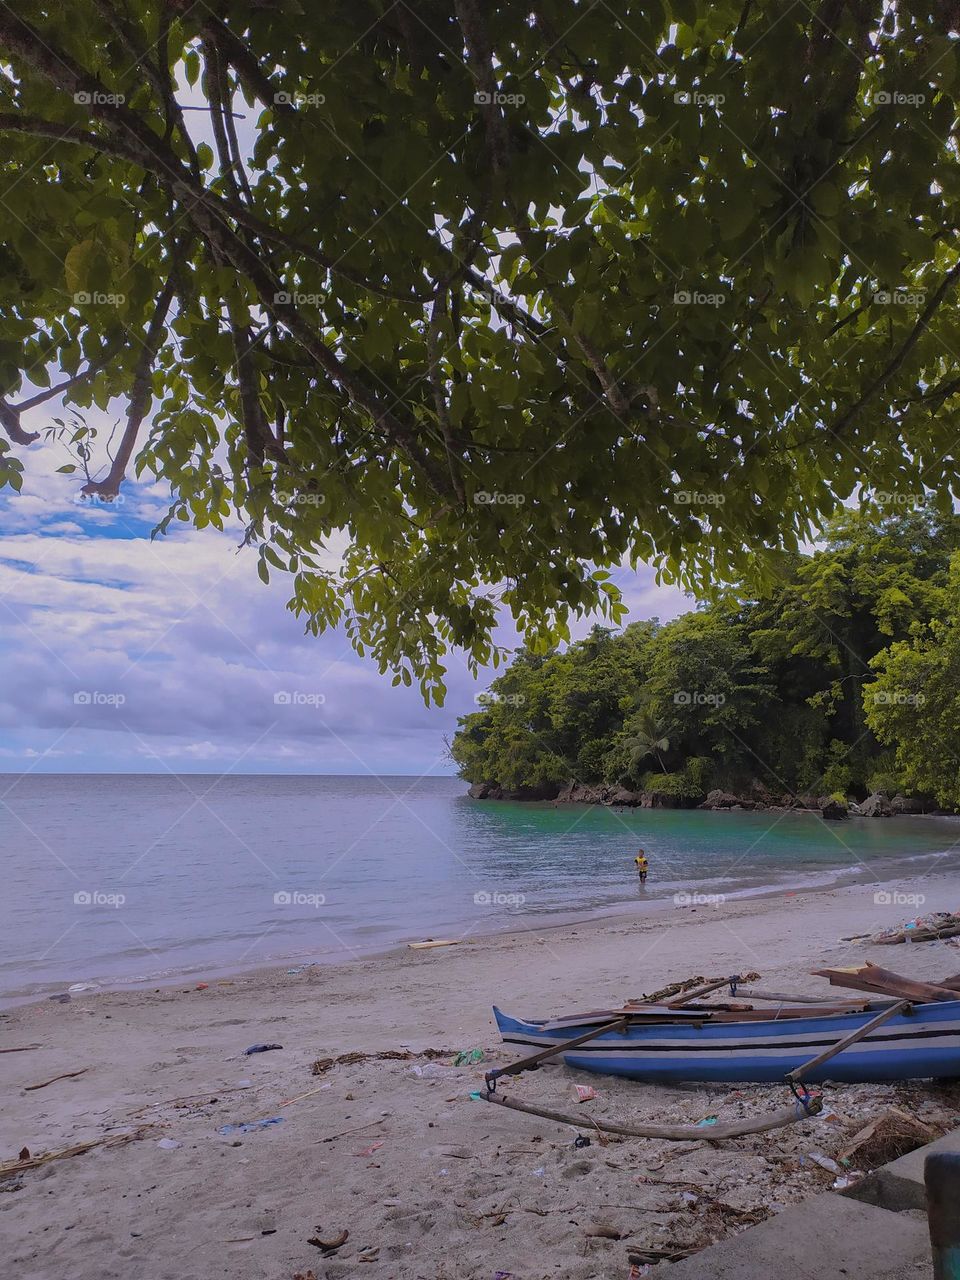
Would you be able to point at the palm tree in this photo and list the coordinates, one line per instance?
(647, 739)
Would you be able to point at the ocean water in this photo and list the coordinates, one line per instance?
(143, 878)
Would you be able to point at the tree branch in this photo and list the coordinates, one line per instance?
(208, 216)
(252, 76)
(141, 393)
(10, 421)
(480, 62)
(434, 329)
(891, 367)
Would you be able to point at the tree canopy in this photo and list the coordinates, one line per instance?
(844, 680)
(502, 295)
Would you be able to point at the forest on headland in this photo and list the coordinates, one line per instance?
(837, 689)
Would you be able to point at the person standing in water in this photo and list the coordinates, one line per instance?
(642, 866)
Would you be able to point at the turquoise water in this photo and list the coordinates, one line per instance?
(114, 879)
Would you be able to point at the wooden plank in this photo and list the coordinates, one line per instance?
(871, 977)
(653, 1016)
(649, 1014)
(786, 1012)
(797, 1074)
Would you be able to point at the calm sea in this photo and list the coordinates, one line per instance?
(134, 879)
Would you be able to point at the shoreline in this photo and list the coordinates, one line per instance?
(759, 800)
(643, 911)
(382, 1140)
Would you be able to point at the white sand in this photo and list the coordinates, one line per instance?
(458, 1189)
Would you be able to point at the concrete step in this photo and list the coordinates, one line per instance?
(830, 1237)
(899, 1184)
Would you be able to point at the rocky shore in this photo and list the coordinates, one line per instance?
(756, 797)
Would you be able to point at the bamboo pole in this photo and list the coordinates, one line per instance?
(669, 1133)
(744, 993)
(797, 1074)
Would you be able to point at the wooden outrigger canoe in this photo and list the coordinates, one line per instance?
(921, 1042)
(918, 1037)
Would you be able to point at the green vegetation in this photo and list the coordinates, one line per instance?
(492, 298)
(842, 681)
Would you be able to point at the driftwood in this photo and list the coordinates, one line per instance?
(697, 992)
(669, 1133)
(929, 935)
(871, 977)
(673, 989)
(677, 988)
(344, 1132)
(10, 1167)
(67, 1075)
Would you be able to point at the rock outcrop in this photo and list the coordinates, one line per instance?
(616, 797)
(833, 810)
(719, 799)
(493, 791)
(876, 806)
(906, 804)
(756, 797)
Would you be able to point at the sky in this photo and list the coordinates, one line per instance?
(122, 654)
(196, 646)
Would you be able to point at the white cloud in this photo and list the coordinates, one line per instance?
(182, 650)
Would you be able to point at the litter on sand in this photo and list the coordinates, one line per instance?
(248, 1126)
(585, 1093)
(262, 1048)
(431, 1071)
(466, 1057)
(935, 924)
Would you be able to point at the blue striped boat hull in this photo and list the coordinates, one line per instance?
(921, 1045)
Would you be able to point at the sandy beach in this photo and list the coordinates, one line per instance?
(392, 1151)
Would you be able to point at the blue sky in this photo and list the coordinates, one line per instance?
(122, 654)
